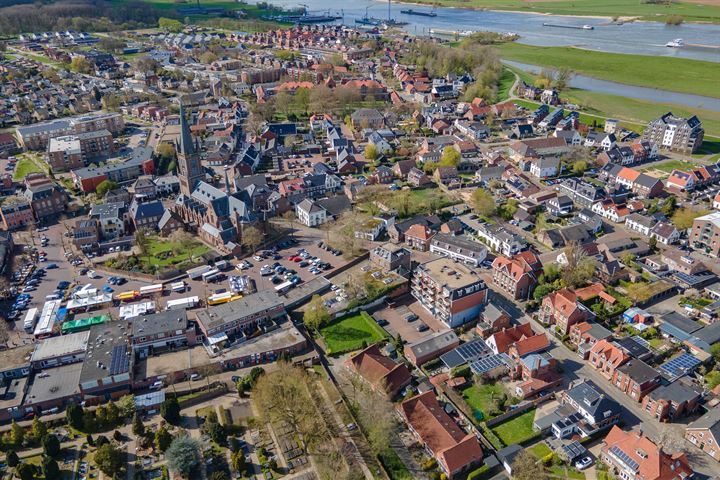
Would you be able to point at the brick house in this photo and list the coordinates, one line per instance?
(381, 372)
(442, 438)
(636, 379)
(669, 402)
(516, 275)
(632, 456)
(607, 357)
(704, 433)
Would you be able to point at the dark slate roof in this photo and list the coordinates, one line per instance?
(639, 371)
(593, 399)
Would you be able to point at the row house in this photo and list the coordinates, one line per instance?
(607, 357)
(636, 379)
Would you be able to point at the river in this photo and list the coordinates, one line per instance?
(640, 38)
(631, 91)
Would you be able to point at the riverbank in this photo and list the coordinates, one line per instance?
(654, 12)
(633, 114)
(673, 74)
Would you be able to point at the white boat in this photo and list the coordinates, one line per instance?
(588, 27)
(677, 43)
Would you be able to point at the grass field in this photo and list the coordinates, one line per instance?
(699, 78)
(25, 167)
(480, 399)
(516, 430)
(162, 252)
(633, 114)
(349, 333)
(691, 12)
(540, 450)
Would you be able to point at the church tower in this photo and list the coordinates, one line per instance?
(190, 171)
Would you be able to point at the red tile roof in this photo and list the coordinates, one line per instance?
(654, 464)
(447, 441)
(380, 371)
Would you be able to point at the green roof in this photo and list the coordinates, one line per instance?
(83, 323)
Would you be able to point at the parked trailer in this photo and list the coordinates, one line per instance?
(196, 273)
(47, 318)
(30, 319)
(151, 289)
(182, 303)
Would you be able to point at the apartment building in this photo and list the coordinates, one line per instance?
(705, 234)
(450, 291)
(675, 133)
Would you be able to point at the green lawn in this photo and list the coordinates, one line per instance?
(699, 77)
(691, 12)
(540, 450)
(349, 333)
(480, 399)
(25, 167)
(162, 252)
(670, 165)
(516, 430)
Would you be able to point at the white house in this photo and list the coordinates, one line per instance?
(545, 167)
(310, 214)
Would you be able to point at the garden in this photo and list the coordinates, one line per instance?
(517, 430)
(350, 333)
(485, 400)
(158, 254)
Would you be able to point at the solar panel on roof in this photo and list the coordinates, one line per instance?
(625, 458)
(680, 365)
(488, 363)
(119, 361)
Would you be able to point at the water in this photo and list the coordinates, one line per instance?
(640, 38)
(631, 91)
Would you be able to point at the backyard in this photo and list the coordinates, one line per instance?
(351, 333)
(481, 399)
(517, 430)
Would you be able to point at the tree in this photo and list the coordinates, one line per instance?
(316, 314)
(252, 238)
(12, 459)
(527, 467)
(483, 202)
(450, 157)
(50, 469)
(183, 455)
(138, 427)
(81, 65)
(38, 429)
(170, 24)
(104, 187)
(238, 461)
(371, 152)
(25, 471)
(110, 459)
(579, 268)
(163, 439)
(74, 415)
(170, 410)
(51, 445)
(17, 434)
(126, 405)
(579, 167)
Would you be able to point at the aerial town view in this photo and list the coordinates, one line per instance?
(385, 239)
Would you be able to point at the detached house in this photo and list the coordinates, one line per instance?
(454, 450)
(517, 275)
(632, 456)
